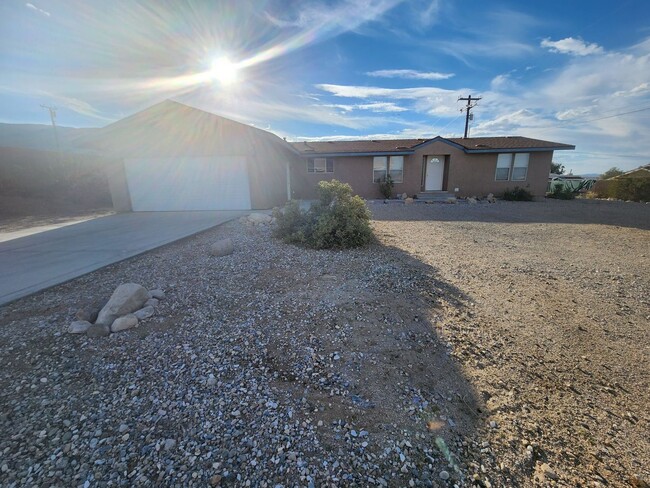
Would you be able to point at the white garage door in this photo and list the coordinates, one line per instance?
(169, 184)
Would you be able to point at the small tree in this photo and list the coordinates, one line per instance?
(611, 172)
(557, 168)
(386, 186)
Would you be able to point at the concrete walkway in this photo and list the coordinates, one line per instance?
(33, 263)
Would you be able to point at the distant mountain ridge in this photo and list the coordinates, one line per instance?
(41, 136)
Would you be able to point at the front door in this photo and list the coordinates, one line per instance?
(434, 173)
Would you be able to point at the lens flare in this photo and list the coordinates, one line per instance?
(224, 71)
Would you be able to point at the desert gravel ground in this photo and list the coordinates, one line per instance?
(486, 345)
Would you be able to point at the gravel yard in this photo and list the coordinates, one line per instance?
(486, 345)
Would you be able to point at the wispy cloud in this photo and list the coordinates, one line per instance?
(342, 15)
(572, 46)
(410, 74)
(33, 7)
(377, 107)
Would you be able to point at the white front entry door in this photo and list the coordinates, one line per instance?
(435, 173)
(188, 183)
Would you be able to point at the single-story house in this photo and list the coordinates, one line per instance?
(172, 157)
(451, 166)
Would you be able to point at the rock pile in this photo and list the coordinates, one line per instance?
(257, 219)
(128, 304)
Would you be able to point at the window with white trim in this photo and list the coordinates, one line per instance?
(383, 165)
(320, 165)
(503, 167)
(396, 168)
(512, 166)
(379, 168)
(520, 167)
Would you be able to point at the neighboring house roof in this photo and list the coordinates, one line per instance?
(640, 172)
(168, 125)
(408, 146)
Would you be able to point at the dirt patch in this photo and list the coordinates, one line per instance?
(556, 337)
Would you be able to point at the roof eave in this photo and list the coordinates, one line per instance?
(350, 154)
(518, 149)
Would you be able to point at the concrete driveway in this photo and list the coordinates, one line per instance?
(38, 261)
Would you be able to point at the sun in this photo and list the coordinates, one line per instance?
(224, 71)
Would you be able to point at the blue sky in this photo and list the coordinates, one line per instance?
(570, 71)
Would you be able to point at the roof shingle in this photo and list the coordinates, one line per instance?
(471, 144)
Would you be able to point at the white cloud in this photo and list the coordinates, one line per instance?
(343, 15)
(353, 91)
(501, 82)
(377, 107)
(33, 7)
(572, 46)
(640, 89)
(410, 74)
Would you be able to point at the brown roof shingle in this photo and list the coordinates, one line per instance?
(471, 144)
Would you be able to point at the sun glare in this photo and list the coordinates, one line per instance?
(224, 71)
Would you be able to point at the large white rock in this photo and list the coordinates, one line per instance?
(126, 298)
(259, 218)
(157, 294)
(98, 330)
(222, 248)
(79, 327)
(144, 313)
(124, 323)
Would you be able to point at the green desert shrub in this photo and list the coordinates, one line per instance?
(517, 194)
(561, 192)
(635, 189)
(338, 220)
(386, 187)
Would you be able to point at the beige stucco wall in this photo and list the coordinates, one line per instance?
(472, 174)
(357, 171)
(266, 157)
(118, 187)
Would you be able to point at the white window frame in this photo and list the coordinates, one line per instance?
(401, 170)
(323, 163)
(386, 170)
(520, 161)
(512, 161)
(504, 161)
(379, 159)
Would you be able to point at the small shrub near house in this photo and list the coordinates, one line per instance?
(338, 220)
(561, 192)
(518, 194)
(386, 187)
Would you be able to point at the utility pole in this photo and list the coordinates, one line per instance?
(52, 111)
(467, 109)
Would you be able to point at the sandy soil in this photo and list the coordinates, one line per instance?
(553, 333)
(472, 345)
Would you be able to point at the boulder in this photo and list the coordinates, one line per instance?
(490, 198)
(79, 327)
(124, 323)
(408, 201)
(451, 200)
(98, 330)
(144, 313)
(223, 247)
(157, 294)
(472, 200)
(87, 314)
(259, 218)
(152, 302)
(126, 298)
